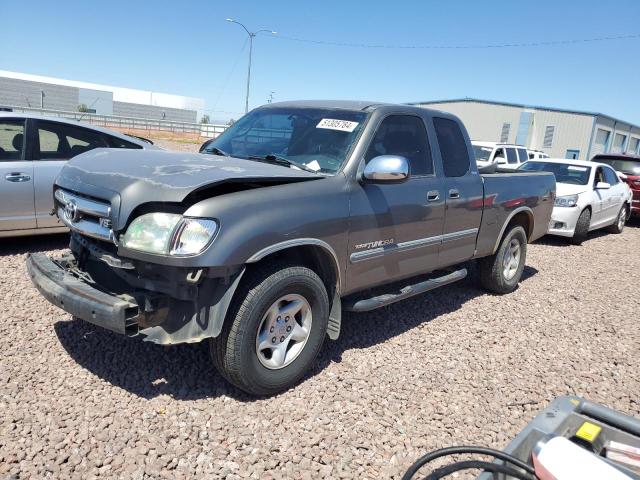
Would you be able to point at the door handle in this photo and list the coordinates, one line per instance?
(433, 196)
(454, 193)
(17, 177)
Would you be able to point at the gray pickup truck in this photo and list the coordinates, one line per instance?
(296, 212)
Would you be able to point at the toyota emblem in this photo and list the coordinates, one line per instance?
(71, 211)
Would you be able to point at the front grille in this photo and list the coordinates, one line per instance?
(83, 215)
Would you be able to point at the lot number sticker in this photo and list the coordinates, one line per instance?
(341, 125)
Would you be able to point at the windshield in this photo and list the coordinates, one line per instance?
(317, 138)
(628, 167)
(564, 172)
(482, 153)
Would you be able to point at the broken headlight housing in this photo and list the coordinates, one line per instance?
(169, 234)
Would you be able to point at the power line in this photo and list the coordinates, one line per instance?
(462, 47)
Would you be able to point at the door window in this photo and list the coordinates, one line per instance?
(500, 157)
(522, 155)
(599, 176)
(12, 140)
(610, 177)
(59, 141)
(512, 157)
(115, 142)
(453, 147)
(406, 136)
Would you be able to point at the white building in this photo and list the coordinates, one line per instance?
(35, 91)
(560, 133)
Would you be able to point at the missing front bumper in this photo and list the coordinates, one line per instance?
(80, 299)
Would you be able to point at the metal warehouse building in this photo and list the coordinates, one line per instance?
(34, 91)
(559, 133)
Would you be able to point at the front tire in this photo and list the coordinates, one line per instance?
(501, 272)
(621, 219)
(582, 227)
(274, 329)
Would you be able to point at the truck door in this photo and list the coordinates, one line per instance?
(395, 228)
(463, 193)
(16, 177)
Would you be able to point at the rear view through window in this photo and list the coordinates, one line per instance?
(455, 157)
(628, 167)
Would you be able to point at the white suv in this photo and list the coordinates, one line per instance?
(503, 155)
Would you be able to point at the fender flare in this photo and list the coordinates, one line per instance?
(506, 222)
(335, 316)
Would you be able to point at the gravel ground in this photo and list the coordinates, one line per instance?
(454, 366)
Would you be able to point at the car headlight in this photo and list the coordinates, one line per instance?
(566, 201)
(169, 234)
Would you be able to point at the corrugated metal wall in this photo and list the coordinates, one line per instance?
(150, 111)
(22, 93)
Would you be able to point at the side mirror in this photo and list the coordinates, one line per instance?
(386, 169)
(602, 186)
(501, 160)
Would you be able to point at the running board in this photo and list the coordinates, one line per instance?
(369, 304)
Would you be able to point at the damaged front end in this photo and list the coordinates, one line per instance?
(167, 305)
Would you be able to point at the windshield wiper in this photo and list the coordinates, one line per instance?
(273, 158)
(217, 151)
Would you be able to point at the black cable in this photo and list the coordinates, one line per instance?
(477, 464)
(465, 450)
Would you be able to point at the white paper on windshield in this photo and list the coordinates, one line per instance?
(576, 168)
(340, 125)
(314, 165)
(486, 149)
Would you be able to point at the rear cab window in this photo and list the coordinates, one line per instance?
(453, 148)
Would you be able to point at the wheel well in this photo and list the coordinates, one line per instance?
(524, 220)
(317, 258)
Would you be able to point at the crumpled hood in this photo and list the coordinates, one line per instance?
(129, 178)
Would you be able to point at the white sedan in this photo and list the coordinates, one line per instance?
(589, 196)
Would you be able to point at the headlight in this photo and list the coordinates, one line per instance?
(169, 234)
(193, 235)
(566, 201)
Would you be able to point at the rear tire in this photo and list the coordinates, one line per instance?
(582, 227)
(245, 353)
(621, 219)
(501, 272)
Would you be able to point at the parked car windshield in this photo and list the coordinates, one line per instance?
(564, 172)
(628, 167)
(320, 139)
(482, 153)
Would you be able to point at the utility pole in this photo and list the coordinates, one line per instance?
(251, 37)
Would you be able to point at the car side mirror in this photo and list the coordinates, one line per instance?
(501, 160)
(602, 186)
(386, 169)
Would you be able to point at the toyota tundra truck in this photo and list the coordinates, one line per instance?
(297, 212)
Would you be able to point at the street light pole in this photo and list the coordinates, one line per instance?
(251, 37)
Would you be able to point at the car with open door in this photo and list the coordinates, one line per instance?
(33, 149)
(492, 156)
(590, 196)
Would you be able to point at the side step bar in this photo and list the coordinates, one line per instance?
(369, 304)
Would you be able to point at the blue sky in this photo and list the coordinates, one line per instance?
(188, 48)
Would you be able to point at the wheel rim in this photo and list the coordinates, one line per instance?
(621, 219)
(511, 259)
(283, 331)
